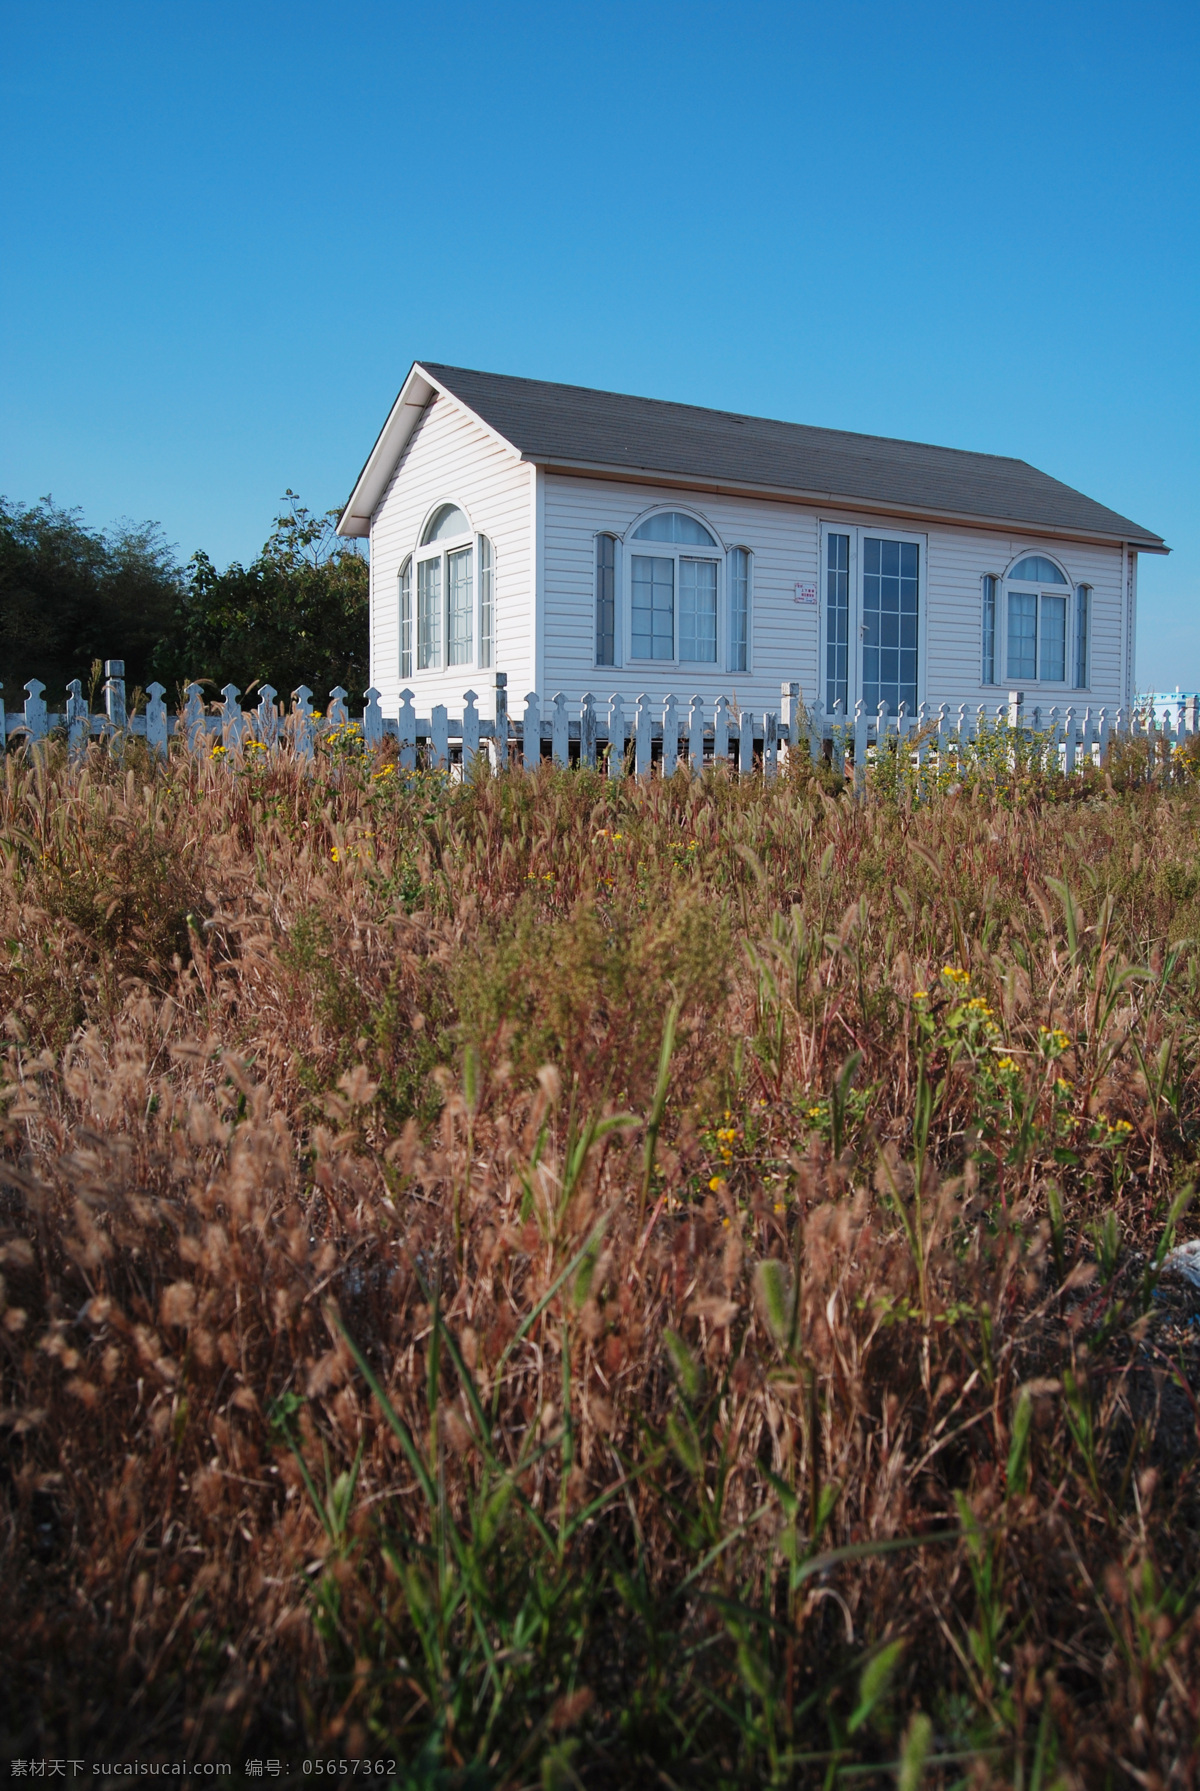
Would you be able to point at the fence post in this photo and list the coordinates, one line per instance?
(77, 719)
(1069, 742)
(642, 730)
(156, 720)
(531, 732)
(745, 742)
(1192, 710)
(35, 710)
(721, 730)
(114, 694)
(790, 708)
(470, 730)
(406, 731)
(670, 726)
(1016, 699)
(372, 720)
(587, 730)
(616, 737)
(696, 736)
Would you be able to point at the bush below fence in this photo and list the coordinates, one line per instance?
(662, 734)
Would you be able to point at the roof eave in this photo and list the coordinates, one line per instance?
(1142, 541)
(411, 403)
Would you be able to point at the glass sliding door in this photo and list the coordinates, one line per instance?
(889, 623)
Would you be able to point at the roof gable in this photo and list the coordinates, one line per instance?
(578, 429)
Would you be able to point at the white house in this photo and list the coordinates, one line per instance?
(582, 540)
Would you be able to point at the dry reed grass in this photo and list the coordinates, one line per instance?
(554, 1283)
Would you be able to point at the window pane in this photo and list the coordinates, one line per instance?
(445, 524)
(653, 607)
(890, 592)
(698, 610)
(1022, 634)
(429, 614)
(1036, 569)
(487, 600)
(1082, 618)
(1054, 639)
(458, 568)
(739, 609)
(406, 657)
(989, 631)
(837, 619)
(606, 600)
(674, 526)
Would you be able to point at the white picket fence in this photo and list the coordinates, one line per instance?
(662, 734)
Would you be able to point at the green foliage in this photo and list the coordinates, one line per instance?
(71, 595)
(296, 615)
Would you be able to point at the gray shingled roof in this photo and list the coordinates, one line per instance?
(573, 425)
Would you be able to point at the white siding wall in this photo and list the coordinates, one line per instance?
(785, 542)
(450, 458)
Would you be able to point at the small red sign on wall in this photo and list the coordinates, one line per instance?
(806, 594)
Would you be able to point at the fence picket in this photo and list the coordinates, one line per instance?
(616, 737)
(643, 733)
(156, 720)
(670, 727)
(470, 729)
(406, 732)
(696, 735)
(78, 719)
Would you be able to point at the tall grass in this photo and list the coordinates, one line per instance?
(558, 1283)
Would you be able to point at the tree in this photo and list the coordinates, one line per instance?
(70, 595)
(296, 615)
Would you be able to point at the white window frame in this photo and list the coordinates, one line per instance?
(442, 550)
(858, 532)
(717, 555)
(1040, 589)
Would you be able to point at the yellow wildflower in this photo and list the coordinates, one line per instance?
(716, 1184)
(920, 995)
(1007, 1063)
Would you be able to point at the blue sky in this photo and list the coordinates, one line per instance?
(230, 229)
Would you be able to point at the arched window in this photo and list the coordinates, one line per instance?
(455, 610)
(446, 522)
(1036, 635)
(673, 591)
(1036, 569)
(674, 526)
(406, 619)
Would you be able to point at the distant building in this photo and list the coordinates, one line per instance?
(582, 540)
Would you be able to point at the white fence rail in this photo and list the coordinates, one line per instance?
(663, 734)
